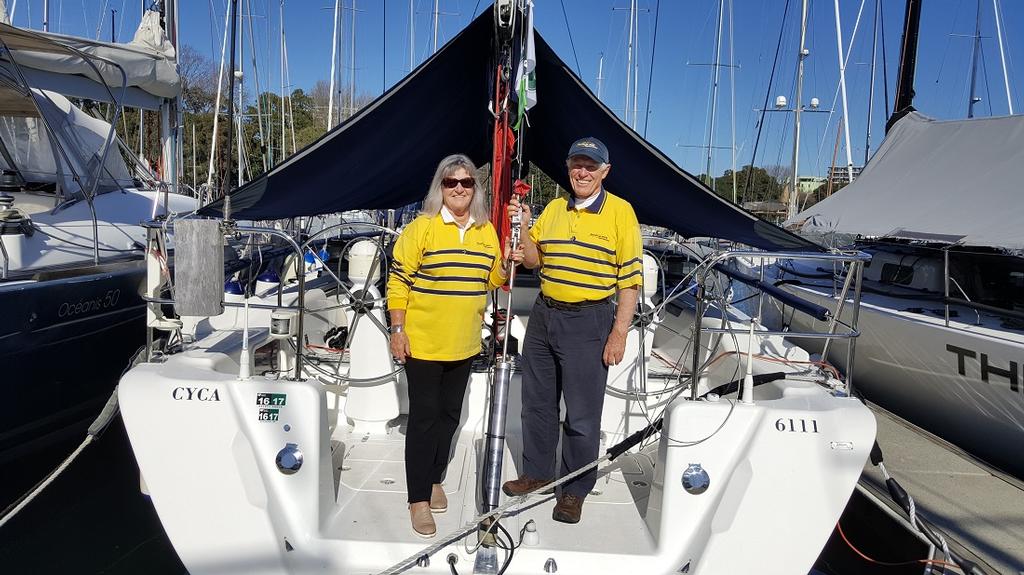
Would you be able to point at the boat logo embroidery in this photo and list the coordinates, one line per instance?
(587, 144)
(195, 394)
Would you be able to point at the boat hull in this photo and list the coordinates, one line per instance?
(63, 344)
(962, 382)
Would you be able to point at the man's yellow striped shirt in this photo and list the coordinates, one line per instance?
(588, 253)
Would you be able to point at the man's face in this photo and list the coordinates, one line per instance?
(586, 176)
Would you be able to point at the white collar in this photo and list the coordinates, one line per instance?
(449, 218)
(582, 205)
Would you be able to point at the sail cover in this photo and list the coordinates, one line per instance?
(950, 181)
(385, 155)
(59, 63)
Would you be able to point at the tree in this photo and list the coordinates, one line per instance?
(198, 81)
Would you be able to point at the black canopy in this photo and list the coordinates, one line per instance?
(385, 155)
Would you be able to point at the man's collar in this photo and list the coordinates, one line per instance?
(592, 204)
(449, 218)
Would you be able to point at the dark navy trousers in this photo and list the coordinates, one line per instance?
(563, 358)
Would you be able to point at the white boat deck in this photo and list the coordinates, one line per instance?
(372, 496)
(980, 510)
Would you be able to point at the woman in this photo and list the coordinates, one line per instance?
(444, 264)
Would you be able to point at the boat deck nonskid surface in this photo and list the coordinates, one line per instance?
(370, 474)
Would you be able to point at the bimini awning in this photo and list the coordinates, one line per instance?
(943, 181)
(385, 155)
(58, 63)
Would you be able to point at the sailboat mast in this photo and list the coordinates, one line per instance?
(908, 62)
(265, 148)
(216, 107)
(352, 66)
(436, 13)
(240, 74)
(231, 100)
(412, 35)
(281, 95)
(714, 94)
(142, 113)
(600, 75)
(629, 62)
(974, 98)
(871, 83)
(334, 60)
(794, 178)
(636, 61)
(1002, 54)
(842, 88)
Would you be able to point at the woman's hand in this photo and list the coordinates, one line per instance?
(400, 346)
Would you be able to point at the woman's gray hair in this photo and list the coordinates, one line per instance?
(435, 198)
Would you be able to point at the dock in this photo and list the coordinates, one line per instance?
(979, 509)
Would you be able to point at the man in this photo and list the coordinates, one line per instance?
(588, 249)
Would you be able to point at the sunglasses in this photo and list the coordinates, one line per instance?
(467, 183)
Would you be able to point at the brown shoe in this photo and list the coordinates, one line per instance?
(422, 520)
(438, 499)
(524, 485)
(568, 509)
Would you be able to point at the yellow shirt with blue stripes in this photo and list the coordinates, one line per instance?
(440, 275)
(588, 253)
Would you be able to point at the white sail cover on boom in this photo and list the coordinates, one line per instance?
(148, 61)
(946, 181)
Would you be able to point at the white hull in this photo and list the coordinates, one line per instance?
(781, 470)
(931, 374)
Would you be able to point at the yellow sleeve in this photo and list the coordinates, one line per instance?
(628, 249)
(495, 279)
(405, 262)
(537, 230)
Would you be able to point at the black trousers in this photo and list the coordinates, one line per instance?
(436, 391)
(563, 358)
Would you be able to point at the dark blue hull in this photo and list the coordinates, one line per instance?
(63, 343)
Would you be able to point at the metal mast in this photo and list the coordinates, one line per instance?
(1002, 54)
(629, 61)
(842, 87)
(334, 59)
(714, 94)
(794, 178)
(871, 84)
(436, 13)
(974, 63)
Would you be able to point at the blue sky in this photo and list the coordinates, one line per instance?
(679, 111)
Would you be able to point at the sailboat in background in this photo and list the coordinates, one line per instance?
(939, 209)
(70, 222)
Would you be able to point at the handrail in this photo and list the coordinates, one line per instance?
(89, 195)
(712, 262)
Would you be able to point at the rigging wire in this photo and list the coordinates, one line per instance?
(571, 43)
(764, 107)
(650, 76)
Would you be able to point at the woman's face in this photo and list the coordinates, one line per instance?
(457, 189)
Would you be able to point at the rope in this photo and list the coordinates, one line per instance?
(14, 509)
(95, 429)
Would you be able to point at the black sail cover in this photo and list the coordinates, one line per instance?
(385, 155)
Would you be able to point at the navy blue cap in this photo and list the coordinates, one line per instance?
(591, 148)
